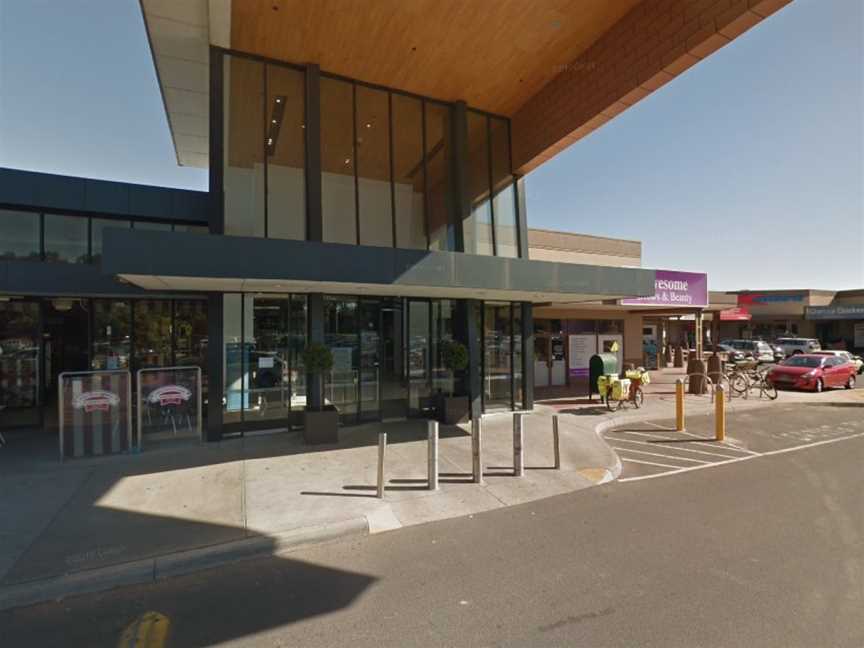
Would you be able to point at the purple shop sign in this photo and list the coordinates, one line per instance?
(673, 288)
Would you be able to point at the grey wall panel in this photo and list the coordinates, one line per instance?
(152, 202)
(60, 193)
(37, 278)
(18, 187)
(106, 197)
(100, 197)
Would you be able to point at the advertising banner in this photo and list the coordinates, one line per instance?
(95, 413)
(169, 403)
(582, 347)
(673, 288)
(735, 315)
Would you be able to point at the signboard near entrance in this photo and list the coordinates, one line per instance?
(95, 413)
(675, 289)
(582, 347)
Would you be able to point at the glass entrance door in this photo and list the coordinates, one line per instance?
(550, 363)
(66, 347)
(419, 360)
(394, 391)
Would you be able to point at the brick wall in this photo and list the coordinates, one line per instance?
(656, 41)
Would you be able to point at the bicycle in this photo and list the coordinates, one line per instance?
(746, 377)
(635, 394)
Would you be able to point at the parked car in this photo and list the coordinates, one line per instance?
(734, 355)
(793, 346)
(848, 357)
(813, 372)
(760, 351)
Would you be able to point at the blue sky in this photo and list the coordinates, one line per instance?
(750, 166)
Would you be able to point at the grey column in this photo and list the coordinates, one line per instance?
(314, 333)
(521, 218)
(460, 202)
(216, 216)
(314, 217)
(527, 355)
(215, 367)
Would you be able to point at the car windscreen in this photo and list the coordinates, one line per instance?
(802, 361)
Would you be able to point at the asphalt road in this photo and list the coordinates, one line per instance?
(762, 552)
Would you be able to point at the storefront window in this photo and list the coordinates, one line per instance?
(286, 149)
(269, 375)
(19, 363)
(112, 334)
(338, 204)
(19, 235)
(234, 352)
(503, 191)
(443, 379)
(408, 172)
(368, 325)
(373, 166)
(66, 238)
(152, 333)
(518, 376)
(478, 226)
(244, 146)
(438, 176)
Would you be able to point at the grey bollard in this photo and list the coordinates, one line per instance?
(433, 455)
(476, 450)
(382, 450)
(518, 445)
(555, 442)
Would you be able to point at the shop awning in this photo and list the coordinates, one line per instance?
(197, 262)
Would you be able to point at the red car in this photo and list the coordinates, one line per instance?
(814, 372)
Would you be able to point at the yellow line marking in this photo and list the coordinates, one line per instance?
(150, 630)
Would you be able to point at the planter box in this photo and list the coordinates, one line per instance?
(453, 409)
(321, 427)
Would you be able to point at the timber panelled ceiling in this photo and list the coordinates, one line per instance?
(446, 49)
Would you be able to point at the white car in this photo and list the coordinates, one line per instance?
(793, 346)
(848, 357)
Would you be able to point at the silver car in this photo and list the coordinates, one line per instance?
(794, 346)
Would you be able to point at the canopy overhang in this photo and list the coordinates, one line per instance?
(196, 262)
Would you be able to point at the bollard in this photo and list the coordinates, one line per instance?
(679, 405)
(555, 439)
(518, 445)
(720, 414)
(382, 449)
(476, 449)
(433, 455)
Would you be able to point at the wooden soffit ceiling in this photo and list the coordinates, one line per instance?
(494, 55)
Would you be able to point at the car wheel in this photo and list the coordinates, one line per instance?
(819, 386)
(850, 384)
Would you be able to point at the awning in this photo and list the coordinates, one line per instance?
(735, 315)
(182, 261)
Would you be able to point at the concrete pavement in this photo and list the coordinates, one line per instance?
(85, 517)
(762, 553)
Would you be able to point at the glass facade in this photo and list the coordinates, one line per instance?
(386, 160)
(19, 235)
(42, 337)
(263, 337)
(66, 238)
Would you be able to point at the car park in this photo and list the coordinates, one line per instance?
(794, 346)
(732, 354)
(813, 372)
(758, 350)
(848, 357)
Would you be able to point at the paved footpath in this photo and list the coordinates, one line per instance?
(764, 552)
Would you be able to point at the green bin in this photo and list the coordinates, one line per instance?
(601, 364)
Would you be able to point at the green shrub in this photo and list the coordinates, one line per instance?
(317, 358)
(454, 355)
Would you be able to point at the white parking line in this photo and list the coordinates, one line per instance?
(648, 463)
(746, 458)
(654, 444)
(657, 454)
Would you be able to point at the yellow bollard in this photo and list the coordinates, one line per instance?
(720, 414)
(679, 405)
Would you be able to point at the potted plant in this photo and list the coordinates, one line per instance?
(453, 409)
(320, 422)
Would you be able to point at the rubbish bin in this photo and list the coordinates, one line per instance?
(601, 364)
